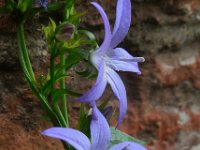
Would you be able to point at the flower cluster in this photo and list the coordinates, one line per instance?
(107, 59)
(68, 46)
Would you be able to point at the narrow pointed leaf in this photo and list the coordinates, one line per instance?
(57, 93)
(118, 136)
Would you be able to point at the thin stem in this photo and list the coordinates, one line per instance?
(56, 117)
(24, 51)
(55, 105)
(62, 86)
(60, 115)
(27, 69)
(62, 80)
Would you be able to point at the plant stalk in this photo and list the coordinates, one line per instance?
(24, 51)
(62, 86)
(28, 72)
(55, 105)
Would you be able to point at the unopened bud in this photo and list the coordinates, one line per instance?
(65, 32)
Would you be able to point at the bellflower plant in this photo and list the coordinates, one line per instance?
(68, 46)
(100, 135)
(108, 59)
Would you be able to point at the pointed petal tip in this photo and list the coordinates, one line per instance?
(139, 73)
(119, 122)
(43, 132)
(93, 3)
(140, 59)
(46, 132)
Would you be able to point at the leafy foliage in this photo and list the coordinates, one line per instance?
(119, 136)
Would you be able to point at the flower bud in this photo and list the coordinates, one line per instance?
(65, 32)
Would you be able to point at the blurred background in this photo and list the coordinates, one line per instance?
(164, 102)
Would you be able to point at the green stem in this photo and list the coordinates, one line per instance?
(56, 117)
(60, 115)
(27, 69)
(62, 80)
(55, 105)
(62, 86)
(23, 49)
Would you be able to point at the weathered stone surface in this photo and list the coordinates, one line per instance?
(8, 39)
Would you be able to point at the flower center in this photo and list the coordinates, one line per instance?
(109, 62)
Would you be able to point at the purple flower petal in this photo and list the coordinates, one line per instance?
(107, 38)
(74, 137)
(120, 92)
(122, 22)
(120, 60)
(97, 90)
(128, 146)
(100, 131)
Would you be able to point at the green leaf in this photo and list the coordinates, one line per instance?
(57, 93)
(24, 5)
(49, 31)
(75, 54)
(54, 6)
(89, 34)
(9, 6)
(6, 9)
(88, 38)
(41, 80)
(84, 121)
(75, 18)
(119, 136)
(71, 60)
(46, 88)
(46, 84)
(84, 73)
(72, 43)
